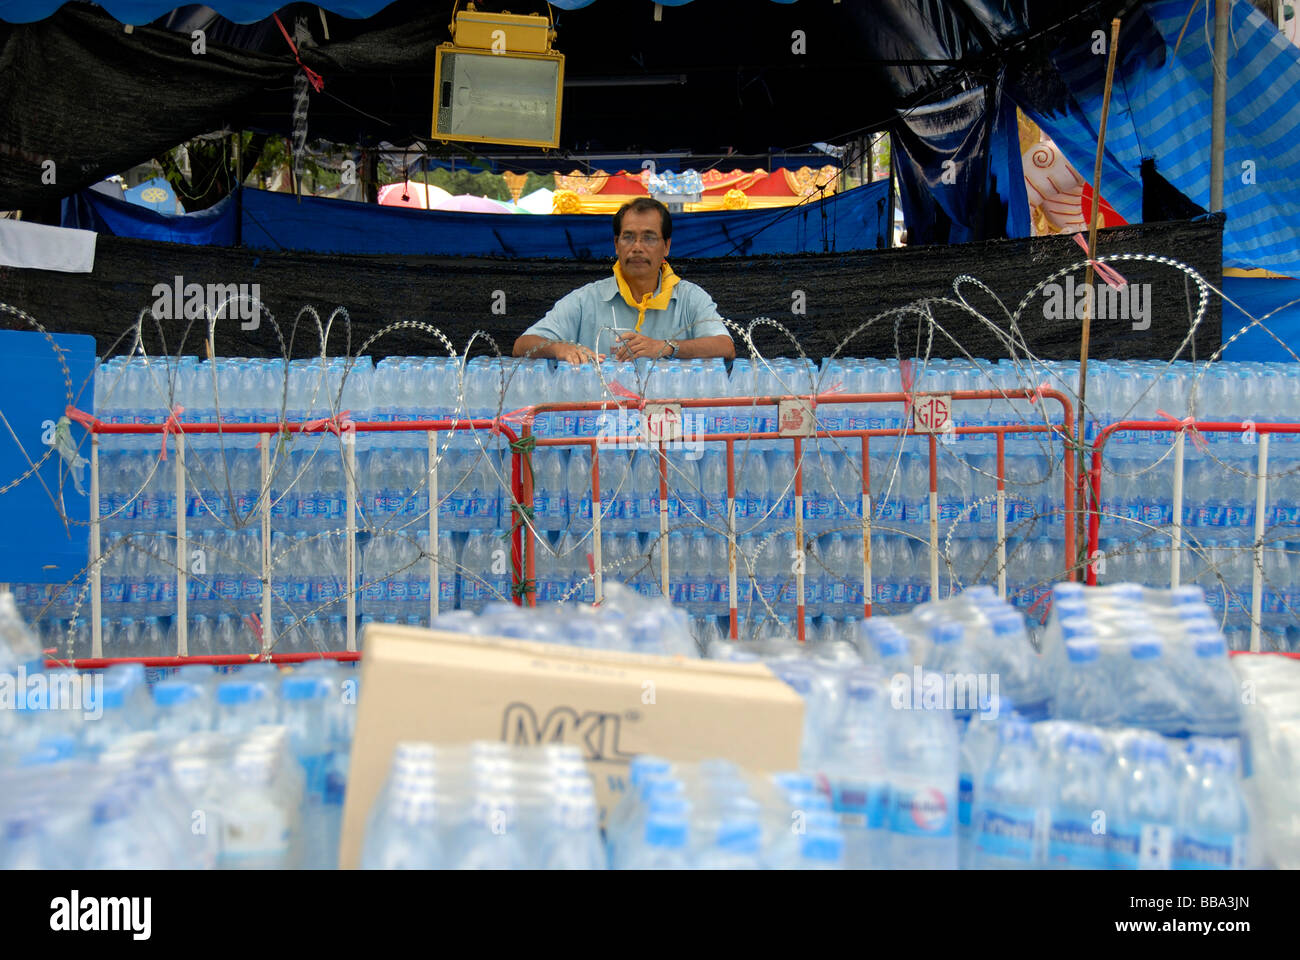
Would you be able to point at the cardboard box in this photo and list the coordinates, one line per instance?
(453, 688)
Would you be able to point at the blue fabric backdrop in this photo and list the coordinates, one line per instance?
(1259, 296)
(856, 220)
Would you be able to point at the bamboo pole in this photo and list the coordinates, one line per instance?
(1080, 540)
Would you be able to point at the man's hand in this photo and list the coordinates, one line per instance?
(633, 345)
(574, 353)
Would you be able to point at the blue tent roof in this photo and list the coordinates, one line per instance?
(238, 11)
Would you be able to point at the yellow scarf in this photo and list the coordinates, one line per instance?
(667, 280)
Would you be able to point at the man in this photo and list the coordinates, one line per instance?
(642, 311)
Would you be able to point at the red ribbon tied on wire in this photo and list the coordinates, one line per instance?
(81, 417)
(338, 424)
(522, 415)
(907, 376)
(316, 80)
(171, 425)
(1109, 274)
(618, 390)
(1188, 424)
(1038, 391)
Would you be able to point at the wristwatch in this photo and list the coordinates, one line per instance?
(671, 353)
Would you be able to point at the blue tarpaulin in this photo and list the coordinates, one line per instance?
(1160, 109)
(856, 220)
(1259, 296)
(238, 11)
(90, 210)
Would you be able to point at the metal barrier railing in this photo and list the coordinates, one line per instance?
(1263, 432)
(346, 431)
(668, 408)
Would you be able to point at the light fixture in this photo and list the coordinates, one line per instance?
(498, 81)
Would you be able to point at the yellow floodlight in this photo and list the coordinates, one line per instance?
(498, 81)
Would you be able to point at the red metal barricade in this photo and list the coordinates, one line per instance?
(1182, 427)
(346, 430)
(863, 436)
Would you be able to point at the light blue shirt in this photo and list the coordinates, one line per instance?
(593, 315)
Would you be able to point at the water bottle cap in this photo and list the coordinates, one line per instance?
(944, 633)
(739, 835)
(298, 687)
(1085, 741)
(1186, 595)
(1015, 729)
(890, 643)
(1008, 623)
(863, 684)
(666, 832)
(1068, 588)
(794, 782)
(980, 591)
(171, 693)
(1145, 648)
(1150, 748)
(1220, 757)
(645, 764)
(796, 675)
(238, 691)
(1211, 645)
(1076, 628)
(1082, 650)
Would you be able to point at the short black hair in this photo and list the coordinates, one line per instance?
(645, 203)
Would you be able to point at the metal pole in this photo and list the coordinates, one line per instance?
(731, 540)
(1176, 559)
(96, 576)
(666, 584)
(267, 635)
(1257, 580)
(801, 557)
(934, 522)
(182, 555)
(866, 528)
(1219, 103)
(1092, 252)
(1002, 514)
(433, 526)
(596, 559)
(350, 535)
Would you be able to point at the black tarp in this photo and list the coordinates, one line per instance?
(709, 76)
(456, 295)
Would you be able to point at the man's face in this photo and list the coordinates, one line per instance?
(640, 246)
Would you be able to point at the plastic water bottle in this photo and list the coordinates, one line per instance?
(1009, 803)
(1214, 825)
(1149, 697)
(1143, 807)
(922, 763)
(1076, 839)
(854, 766)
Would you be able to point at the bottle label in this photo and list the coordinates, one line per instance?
(922, 812)
(447, 593)
(1209, 851)
(950, 510)
(1072, 843)
(1148, 847)
(863, 806)
(1007, 831)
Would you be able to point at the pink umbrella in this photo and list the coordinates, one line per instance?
(412, 194)
(470, 204)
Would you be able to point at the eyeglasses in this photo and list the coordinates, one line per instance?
(648, 239)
